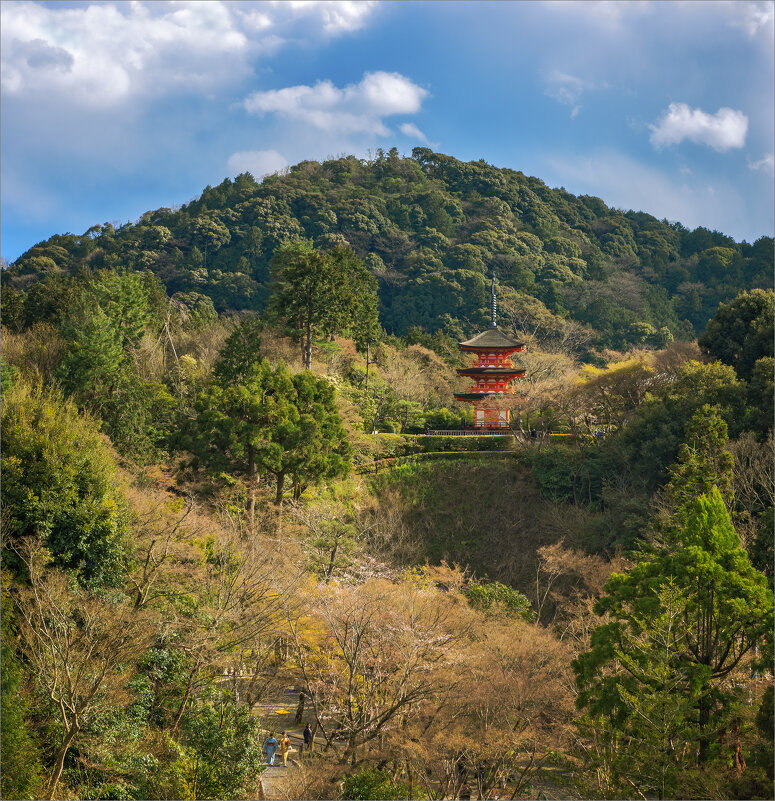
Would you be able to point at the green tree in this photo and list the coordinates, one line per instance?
(272, 422)
(94, 355)
(321, 450)
(321, 294)
(103, 329)
(373, 783)
(20, 767)
(227, 748)
(210, 233)
(59, 482)
(703, 460)
(741, 332)
(233, 419)
(656, 431)
(241, 350)
(728, 610)
(498, 599)
(761, 395)
(644, 736)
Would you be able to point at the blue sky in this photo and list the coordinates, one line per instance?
(112, 109)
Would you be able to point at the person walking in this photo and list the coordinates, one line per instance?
(285, 744)
(270, 746)
(308, 738)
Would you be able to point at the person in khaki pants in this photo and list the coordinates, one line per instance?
(285, 744)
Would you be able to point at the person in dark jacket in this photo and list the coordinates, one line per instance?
(308, 737)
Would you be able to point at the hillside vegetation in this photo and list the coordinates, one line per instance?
(430, 229)
(220, 492)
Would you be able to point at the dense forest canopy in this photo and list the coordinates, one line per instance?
(430, 228)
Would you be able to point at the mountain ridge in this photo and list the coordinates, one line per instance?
(431, 228)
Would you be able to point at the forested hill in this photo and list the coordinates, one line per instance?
(430, 228)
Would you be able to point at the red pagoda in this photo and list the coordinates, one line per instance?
(492, 372)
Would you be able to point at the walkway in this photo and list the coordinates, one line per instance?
(277, 715)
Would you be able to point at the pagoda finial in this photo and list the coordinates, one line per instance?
(493, 324)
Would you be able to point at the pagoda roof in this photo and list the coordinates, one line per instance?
(484, 395)
(490, 370)
(491, 338)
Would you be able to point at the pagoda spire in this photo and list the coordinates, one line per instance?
(493, 324)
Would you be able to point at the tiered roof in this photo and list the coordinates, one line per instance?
(491, 339)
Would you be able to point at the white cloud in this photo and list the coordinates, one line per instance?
(257, 162)
(254, 18)
(766, 164)
(567, 89)
(625, 183)
(754, 17)
(725, 129)
(358, 108)
(337, 15)
(564, 88)
(102, 53)
(412, 131)
(603, 13)
(105, 53)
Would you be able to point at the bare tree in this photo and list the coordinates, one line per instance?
(369, 656)
(81, 647)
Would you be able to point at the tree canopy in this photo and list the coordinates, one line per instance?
(429, 229)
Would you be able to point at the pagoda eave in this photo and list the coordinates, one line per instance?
(505, 350)
(469, 396)
(503, 372)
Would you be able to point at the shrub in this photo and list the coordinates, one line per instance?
(497, 598)
(371, 783)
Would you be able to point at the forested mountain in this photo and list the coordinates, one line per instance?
(430, 228)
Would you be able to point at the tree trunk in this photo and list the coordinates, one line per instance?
(251, 460)
(184, 702)
(331, 562)
(367, 365)
(280, 482)
(300, 708)
(704, 717)
(59, 763)
(308, 346)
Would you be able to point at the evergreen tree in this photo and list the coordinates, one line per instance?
(644, 736)
(703, 460)
(59, 483)
(321, 294)
(241, 350)
(272, 422)
(728, 610)
(20, 768)
(740, 333)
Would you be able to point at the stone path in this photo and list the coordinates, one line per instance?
(277, 715)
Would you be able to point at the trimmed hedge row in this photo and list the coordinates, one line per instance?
(388, 446)
(397, 461)
(435, 443)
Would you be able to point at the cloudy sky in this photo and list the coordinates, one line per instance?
(110, 109)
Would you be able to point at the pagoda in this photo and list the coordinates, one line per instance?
(492, 372)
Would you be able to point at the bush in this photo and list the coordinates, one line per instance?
(227, 750)
(371, 783)
(497, 598)
(390, 445)
(59, 481)
(436, 443)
